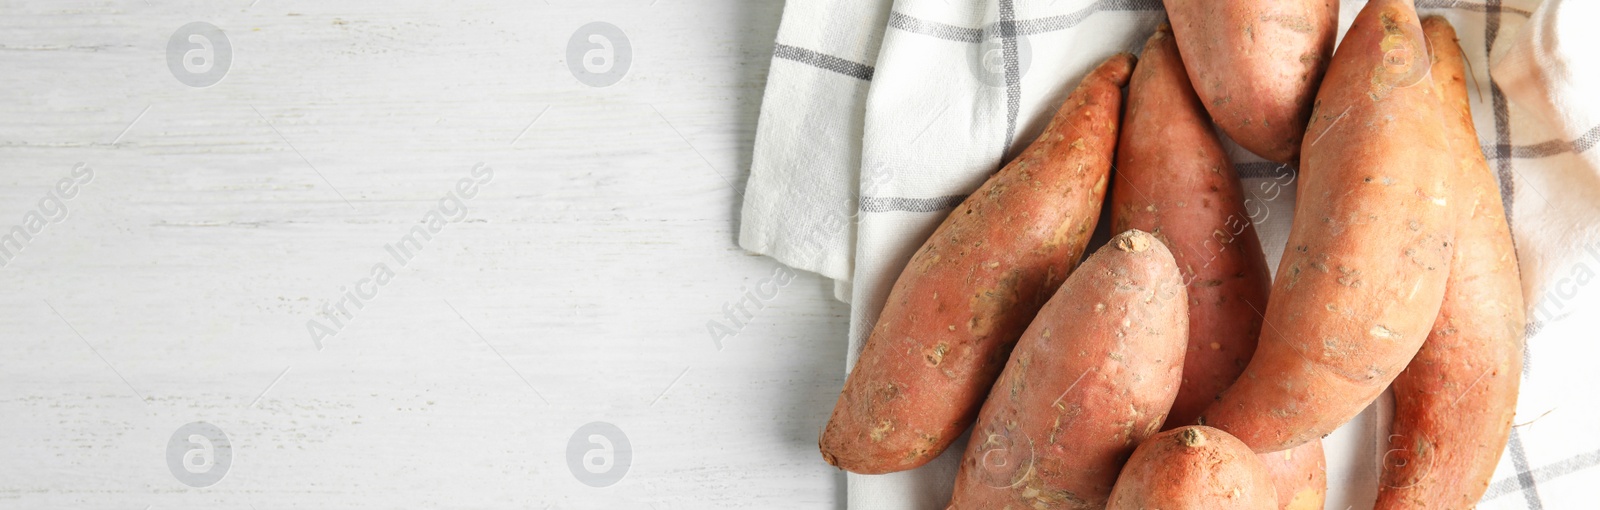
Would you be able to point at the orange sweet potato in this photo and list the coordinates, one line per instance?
(1197, 468)
(1454, 403)
(965, 297)
(1300, 474)
(1363, 275)
(1257, 64)
(1092, 377)
(1175, 180)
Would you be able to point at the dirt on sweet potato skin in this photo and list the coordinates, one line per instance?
(964, 298)
(1091, 378)
(1363, 275)
(1455, 402)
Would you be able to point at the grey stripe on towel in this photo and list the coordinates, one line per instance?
(886, 204)
(947, 32)
(823, 61)
(1552, 471)
(934, 28)
(1550, 148)
(1495, 7)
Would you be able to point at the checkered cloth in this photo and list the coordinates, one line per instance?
(880, 116)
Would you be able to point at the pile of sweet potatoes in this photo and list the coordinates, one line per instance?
(1169, 369)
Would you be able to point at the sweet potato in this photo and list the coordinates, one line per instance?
(1257, 64)
(1092, 377)
(1193, 467)
(960, 304)
(1175, 181)
(1300, 475)
(1363, 275)
(1454, 403)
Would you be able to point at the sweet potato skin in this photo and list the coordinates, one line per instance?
(1092, 377)
(1174, 180)
(1454, 404)
(1257, 64)
(1300, 475)
(1194, 467)
(1363, 275)
(965, 297)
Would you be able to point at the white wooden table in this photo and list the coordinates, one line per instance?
(217, 221)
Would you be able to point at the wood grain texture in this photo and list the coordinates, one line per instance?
(178, 286)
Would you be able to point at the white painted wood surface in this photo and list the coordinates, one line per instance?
(577, 289)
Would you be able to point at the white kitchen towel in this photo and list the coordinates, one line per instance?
(800, 201)
(944, 91)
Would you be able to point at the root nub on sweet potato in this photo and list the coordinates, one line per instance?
(1092, 377)
(965, 297)
(1455, 401)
